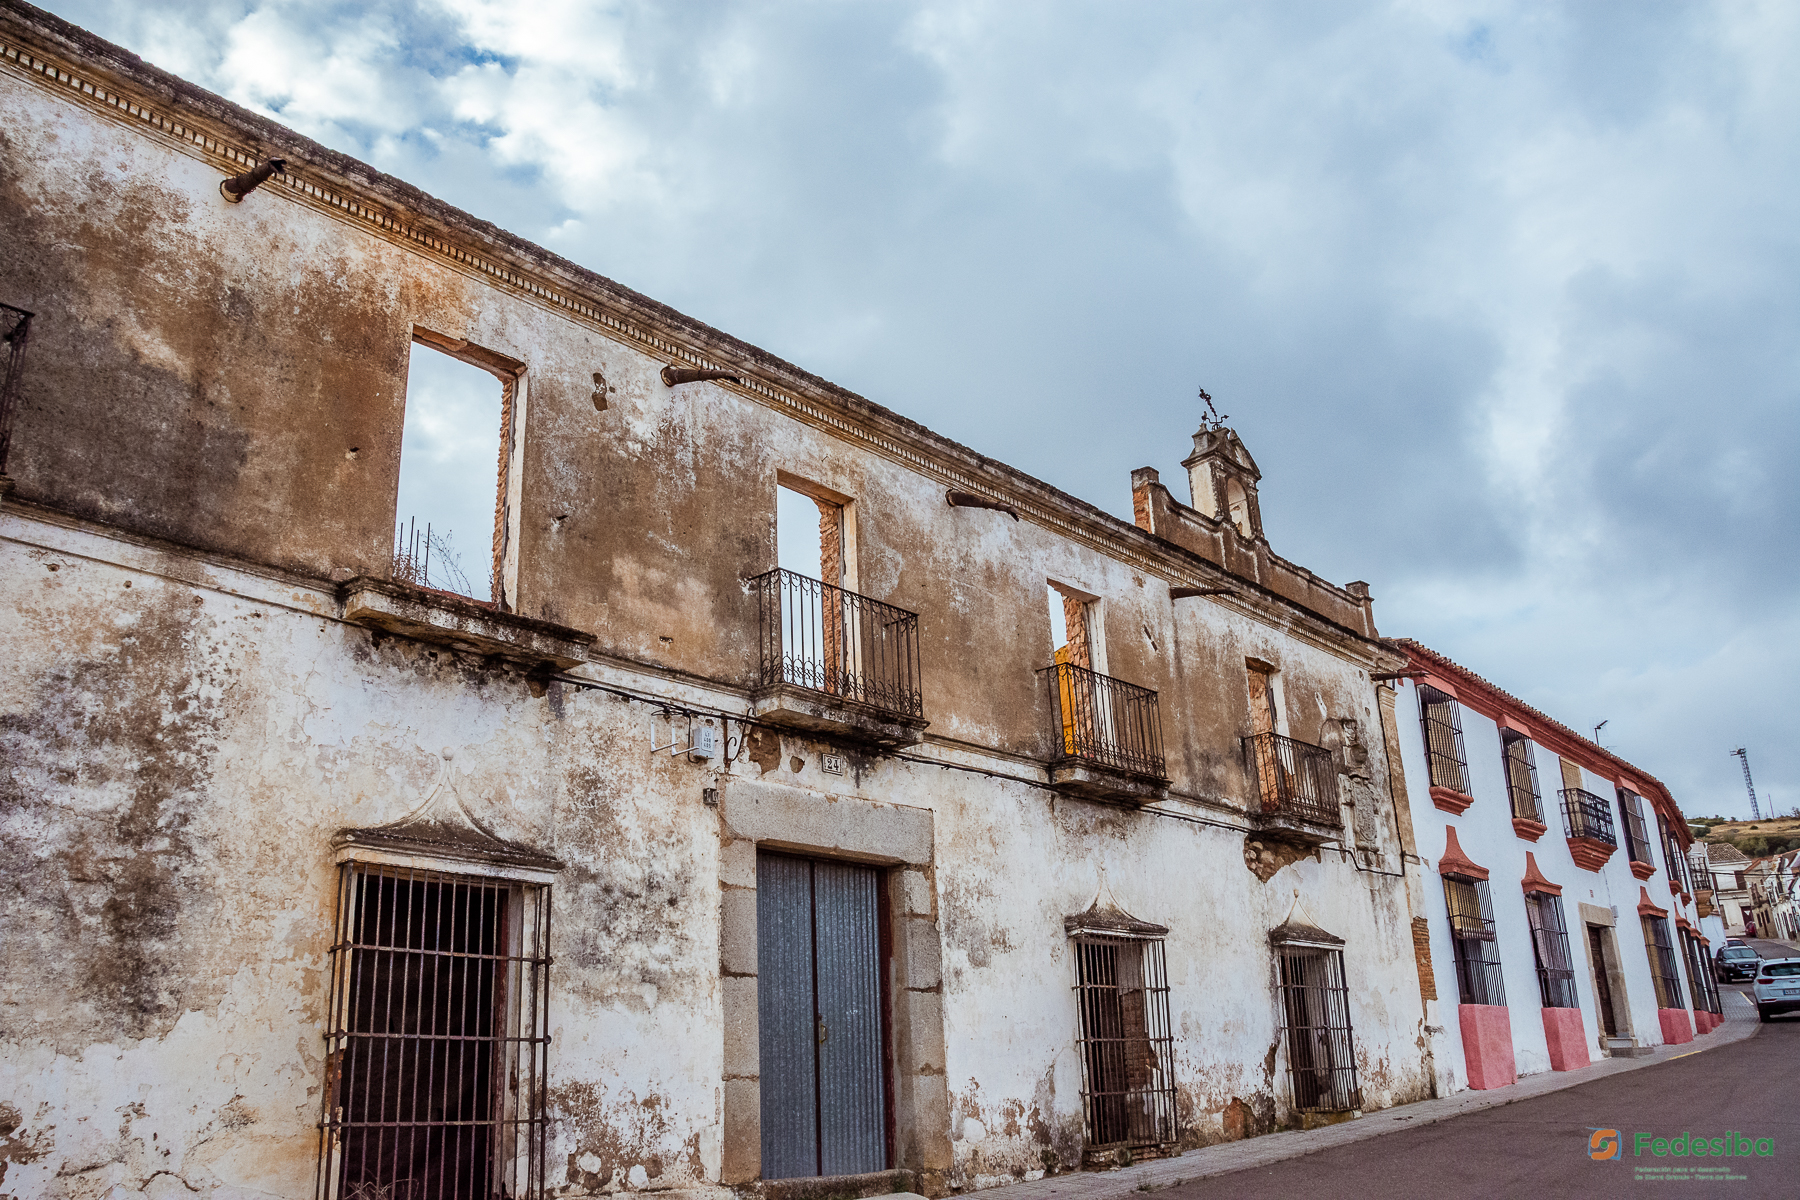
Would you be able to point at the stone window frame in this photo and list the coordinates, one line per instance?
(796, 820)
(436, 853)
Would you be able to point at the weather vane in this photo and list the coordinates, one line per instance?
(1214, 420)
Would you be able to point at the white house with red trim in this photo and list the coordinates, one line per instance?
(1555, 923)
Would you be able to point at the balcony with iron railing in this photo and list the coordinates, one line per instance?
(1588, 823)
(1296, 792)
(831, 660)
(1107, 736)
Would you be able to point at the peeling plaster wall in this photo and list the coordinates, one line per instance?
(180, 756)
(178, 759)
(210, 432)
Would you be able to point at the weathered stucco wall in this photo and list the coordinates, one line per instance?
(181, 755)
(179, 758)
(209, 437)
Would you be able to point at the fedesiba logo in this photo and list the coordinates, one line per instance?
(1607, 1145)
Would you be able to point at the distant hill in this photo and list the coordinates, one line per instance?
(1757, 839)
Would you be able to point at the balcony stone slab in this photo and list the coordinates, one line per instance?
(1296, 828)
(445, 619)
(1089, 780)
(810, 711)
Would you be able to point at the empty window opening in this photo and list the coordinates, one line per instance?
(822, 1017)
(455, 456)
(809, 536)
(1288, 776)
(1521, 776)
(1472, 938)
(1662, 962)
(1315, 1007)
(1550, 947)
(1071, 628)
(1239, 503)
(16, 323)
(437, 1047)
(1097, 717)
(1127, 1078)
(815, 630)
(1263, 707)
(1441, 720)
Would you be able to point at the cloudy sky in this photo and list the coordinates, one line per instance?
(1503, 297)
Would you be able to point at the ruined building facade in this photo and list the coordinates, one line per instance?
(1019, 837)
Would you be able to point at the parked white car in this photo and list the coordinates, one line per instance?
(1777, 987)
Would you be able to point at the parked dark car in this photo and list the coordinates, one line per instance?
(1777, 988)
(1735, 962)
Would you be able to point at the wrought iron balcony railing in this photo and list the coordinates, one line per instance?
(1586, 815)
(1293, 778)
(1105, 720)
(823, 638)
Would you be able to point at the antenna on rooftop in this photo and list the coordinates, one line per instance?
(1212, 420)
(1755, 815)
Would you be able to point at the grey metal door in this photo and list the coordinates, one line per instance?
(824, 1109)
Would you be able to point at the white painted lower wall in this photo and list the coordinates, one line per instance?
(184, 739)
(1486, 834)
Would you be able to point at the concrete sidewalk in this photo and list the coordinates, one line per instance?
(1223, 1159)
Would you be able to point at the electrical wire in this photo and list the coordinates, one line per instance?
(665, 705)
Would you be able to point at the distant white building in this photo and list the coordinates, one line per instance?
(1772, 895)
(1557, 923)
(1727, 886)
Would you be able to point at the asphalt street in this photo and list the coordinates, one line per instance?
(1539, 1147)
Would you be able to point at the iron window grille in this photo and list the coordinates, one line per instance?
(1441, 720)
(1127, 1044)
(436, 1043)
(831, 640)
(1315, 1008)
(1550, 947)
(1700, 975)
(1678, 867)
(1586, 815)
(1637, 839)
(1104, 720)
(1472, 939)
(1662, 963)
(16, 323)
(1521, 775)
(1294, 778)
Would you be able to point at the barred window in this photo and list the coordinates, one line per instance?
(1472, 939)
(1700, 975)
(1441, 720)
(1315, 1006)
(1127, 1077)
(1662, 963)
(436, 1043)
(1521, 775)
(1678, 867)
(1637, 840)
(1550, 946)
